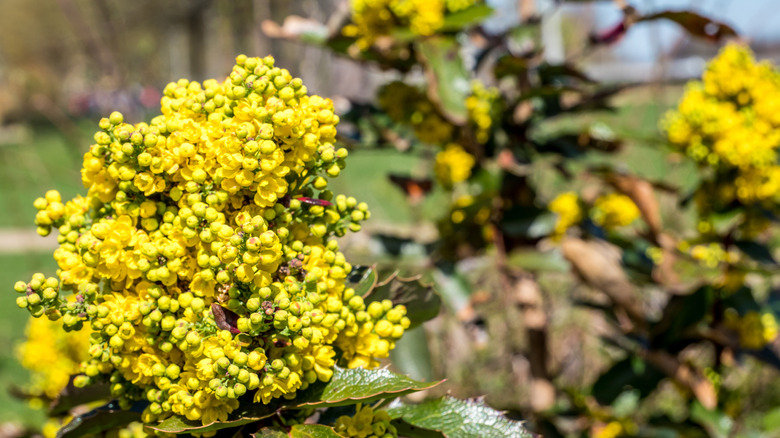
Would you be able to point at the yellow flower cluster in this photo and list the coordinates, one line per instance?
(51, 355)
(710, 255)
(366, 423)
(730, 120)
(614, 210)
(409, 105)
(566, 207)
(755, 329)
(482, 109)
(202, 255)
(453, 165)
(372, 19)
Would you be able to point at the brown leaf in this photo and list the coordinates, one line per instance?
(598, 264)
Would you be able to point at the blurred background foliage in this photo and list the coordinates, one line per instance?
(582, 333)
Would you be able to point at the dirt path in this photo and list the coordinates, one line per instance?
(21, 240)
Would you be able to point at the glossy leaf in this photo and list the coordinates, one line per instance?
(362, 279)
(448, 81)
(455, 418)
(347, 386)
(411, 355)
(71, 396)
(100, 419)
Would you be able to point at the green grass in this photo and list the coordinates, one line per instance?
(29, 169)
(12, 324)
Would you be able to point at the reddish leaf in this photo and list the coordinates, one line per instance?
(226, 319)
(695, 24)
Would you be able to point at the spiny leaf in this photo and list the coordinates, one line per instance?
(457, 418)
(347, 386)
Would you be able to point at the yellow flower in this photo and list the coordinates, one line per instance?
(567, 209)
(453, 165)
(614, 210)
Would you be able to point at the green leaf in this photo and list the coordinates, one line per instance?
(350, 386)
(680, 313)
(454, 289)
(298, 431)
(625, 374)
(421, 301)
(528, 222)
(411, 355)
(533, 260)
(724, 222)
(71, 396)
(448, 81)
(717, 424)
(100, 420)
(347, 386)
(467, 17)
(756, 251)
(457, 418)
(362, 279)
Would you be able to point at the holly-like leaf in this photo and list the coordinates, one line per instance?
(448, 83)
(71, 396)
(298, 431)
(421, 301)
(100, 420)
(455, 418)
(347, 386)
(362, 279)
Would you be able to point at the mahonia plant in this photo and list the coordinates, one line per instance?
(201, 263)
